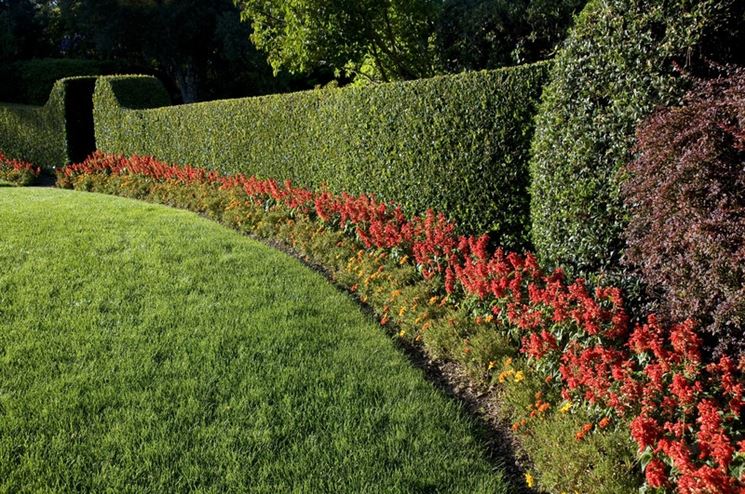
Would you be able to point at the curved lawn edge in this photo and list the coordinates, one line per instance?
(126, 363)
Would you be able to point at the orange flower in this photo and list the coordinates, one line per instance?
(584, 431)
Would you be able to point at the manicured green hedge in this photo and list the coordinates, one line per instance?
(35, 133)
(457, 144)
(29, 82)
(41, 134)
(616, 66)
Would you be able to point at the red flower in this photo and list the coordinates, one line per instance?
(645, 431)
(656, 474)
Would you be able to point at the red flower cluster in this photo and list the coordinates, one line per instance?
(683, 413)
(139, 165)
(686, 414)
(17, 171)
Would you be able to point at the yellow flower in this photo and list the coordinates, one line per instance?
(504, 375)
(404, 260)
(402, 333)
(492, 364)
(433, 300)
(529, 480)
(402, 311)
(519, 376)
(489, 318)
(566, 407)
(507, 362)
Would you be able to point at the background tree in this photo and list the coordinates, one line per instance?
(483, 34)
(176, 37)
(378, 40)
(26, 29)
(202, 50)
(198, 46)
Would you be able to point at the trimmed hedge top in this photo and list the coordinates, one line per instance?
(457, 143)
(36, 133)
(617, 64)
(49, 135)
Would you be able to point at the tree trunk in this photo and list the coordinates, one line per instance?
(187, 82)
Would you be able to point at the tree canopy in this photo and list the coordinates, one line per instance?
(206, 49)
(374, 39)
(405, 39)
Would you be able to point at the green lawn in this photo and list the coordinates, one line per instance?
(145, 349)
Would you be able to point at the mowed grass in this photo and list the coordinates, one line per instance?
(145, 349)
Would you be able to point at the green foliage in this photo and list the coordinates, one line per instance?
(366, 39)
(48, 136)
(603, 461)
(482, 34)
(29, 82)
(616, 66)
(36, 133)
(457, 144)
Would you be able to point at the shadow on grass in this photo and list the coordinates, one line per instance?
(46, 179)
(477, 403)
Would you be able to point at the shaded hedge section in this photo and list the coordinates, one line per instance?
(687, 198)
(36, 133)
(458, 143)
(45, 135)
(618, 63)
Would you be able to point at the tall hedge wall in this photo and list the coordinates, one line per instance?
(616, 66)
(457, 143)
(45, 135)
(36, 133)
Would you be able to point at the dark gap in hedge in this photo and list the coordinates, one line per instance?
(81, 140)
